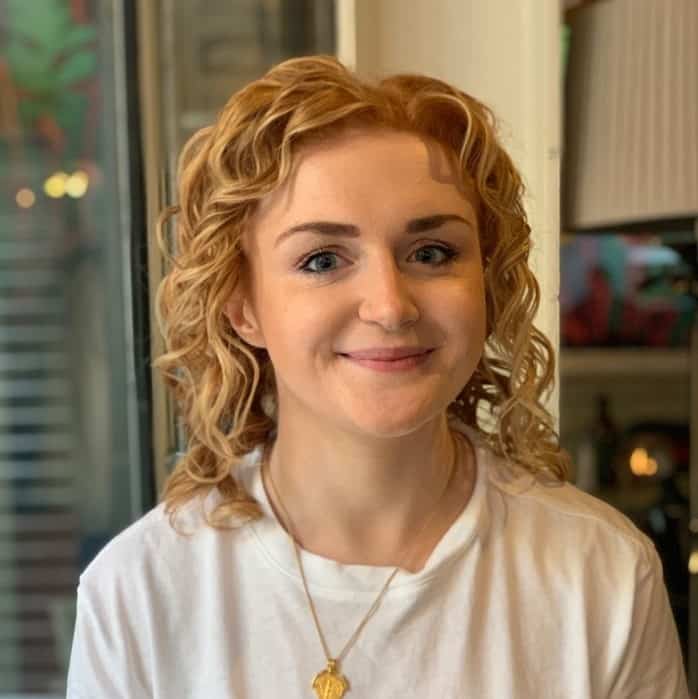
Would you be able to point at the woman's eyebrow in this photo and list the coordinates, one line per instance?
(416, 225)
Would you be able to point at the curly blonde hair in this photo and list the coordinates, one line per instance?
(221, 383)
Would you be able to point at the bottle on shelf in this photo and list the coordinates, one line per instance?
(596, 451)
(606, 436)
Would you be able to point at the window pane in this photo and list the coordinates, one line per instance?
(71, 470)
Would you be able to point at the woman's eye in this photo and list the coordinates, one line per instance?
(446, 253)
(322, 256)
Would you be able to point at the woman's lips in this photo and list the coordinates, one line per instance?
(392, 365)
(386, 353)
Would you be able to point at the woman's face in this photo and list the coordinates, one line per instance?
(371, 244)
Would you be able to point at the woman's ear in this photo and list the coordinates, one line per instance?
(243, 319)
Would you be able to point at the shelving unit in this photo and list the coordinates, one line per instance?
(634, 170)
(641, 361)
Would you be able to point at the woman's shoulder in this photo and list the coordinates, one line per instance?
(127, 555)
(566, 518)
(154, 547)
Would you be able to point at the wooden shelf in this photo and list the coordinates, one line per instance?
(611, 362)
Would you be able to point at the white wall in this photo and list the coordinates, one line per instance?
(506, 54)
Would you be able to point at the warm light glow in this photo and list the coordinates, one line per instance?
(693, 563)
(641, 464)
(55, 185)
(25, 198)
(638, 461)
(76, 184)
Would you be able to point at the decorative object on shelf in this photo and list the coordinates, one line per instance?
(605, 434)
(586, 474)
(627, 290)
(653, 450)
(597, 450)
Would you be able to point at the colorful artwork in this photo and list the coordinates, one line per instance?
(622, 290)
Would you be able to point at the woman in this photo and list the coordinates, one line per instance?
(372, 502)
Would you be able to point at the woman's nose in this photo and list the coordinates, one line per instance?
(386, 296)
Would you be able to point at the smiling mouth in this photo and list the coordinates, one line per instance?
(399, 364)
(387, 361)
(386, 355)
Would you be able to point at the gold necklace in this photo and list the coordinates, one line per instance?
(330, 683)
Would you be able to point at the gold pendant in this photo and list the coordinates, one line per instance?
(330, 683)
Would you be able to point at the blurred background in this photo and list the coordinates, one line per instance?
(597, 99)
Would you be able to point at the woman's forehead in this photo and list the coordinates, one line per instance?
(360, 167)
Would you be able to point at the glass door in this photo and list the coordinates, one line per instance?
(74, 405)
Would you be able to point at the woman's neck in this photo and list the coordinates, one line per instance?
(357, 506)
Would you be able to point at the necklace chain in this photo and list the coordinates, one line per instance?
(407, 550)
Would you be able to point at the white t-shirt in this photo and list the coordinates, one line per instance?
(534, 592)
